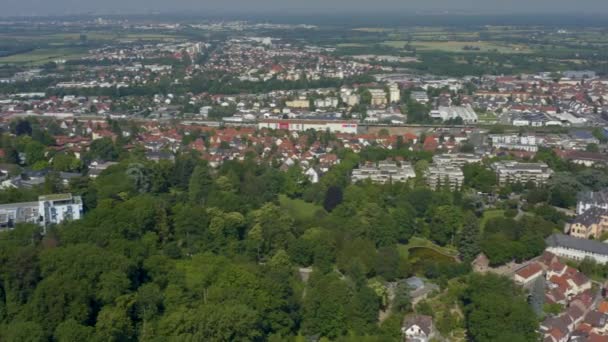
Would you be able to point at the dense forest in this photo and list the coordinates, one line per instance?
(178, 251)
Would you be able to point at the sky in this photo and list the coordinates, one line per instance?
(332, 7)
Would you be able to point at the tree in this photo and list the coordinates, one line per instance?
(333, 197)
(72, 331)
(446, 221)
(22, 332)
(113, 324)
(34, 152)
(140, 176)
(325, 307)
(468, 242)
(200, 184)
(23, 127)
(487, 300)
(592, 148)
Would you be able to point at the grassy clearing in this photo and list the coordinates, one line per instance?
(299, 209)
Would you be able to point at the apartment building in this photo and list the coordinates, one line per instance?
(441, 175)
(384, 172)
(456, 159)
(49, 209)
(527, 143)
(378, 97)
(514, 172)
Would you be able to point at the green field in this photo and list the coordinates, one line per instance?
(41, 56)
(459, 46)
(299, 209)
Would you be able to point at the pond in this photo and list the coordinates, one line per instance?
(422, 258)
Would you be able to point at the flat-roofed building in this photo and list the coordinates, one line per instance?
(57, 208)
(384, 172)
(509, 172)
(528, 143)
(444, 175)
(301, 125)
(466, 113)
(457, 159)
(378, 97)
(49, 209)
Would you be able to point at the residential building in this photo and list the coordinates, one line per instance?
(514, 172)
(527, 274)
(466, 113)
(301, 125)
(590, 199)
(590, 224)
(378, 97)
(442, 175)
(351, 99)
(298, 103)
(419, 96)
(417, 328)
(384, 172)
(57, 208)
(328, 102)
(49, 209)
(518, 142)
(394, 93)
(456, 159)
(577, 249)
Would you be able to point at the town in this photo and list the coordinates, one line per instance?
(375, 199)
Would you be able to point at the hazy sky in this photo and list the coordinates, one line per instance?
(42, 7)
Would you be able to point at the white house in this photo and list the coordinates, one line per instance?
(417, 328)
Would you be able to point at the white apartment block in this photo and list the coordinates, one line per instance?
(456, 159)
(528, 143)
(385, 172)
(378, 97)
(49, 209)
(514, 172)
(394, 93)
(441, 175)
(339, 126)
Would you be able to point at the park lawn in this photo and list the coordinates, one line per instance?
(299, 209)
(41, 56)
(490, 214)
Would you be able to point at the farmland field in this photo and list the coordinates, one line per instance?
(41, 56)
(460, 46)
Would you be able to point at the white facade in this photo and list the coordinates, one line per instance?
(55, 209)
(576, 254)
(341, 126)
(394, 93)
(466, 113)
(577, 249)
(49, 209)
(415, 333)
(385, 172)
